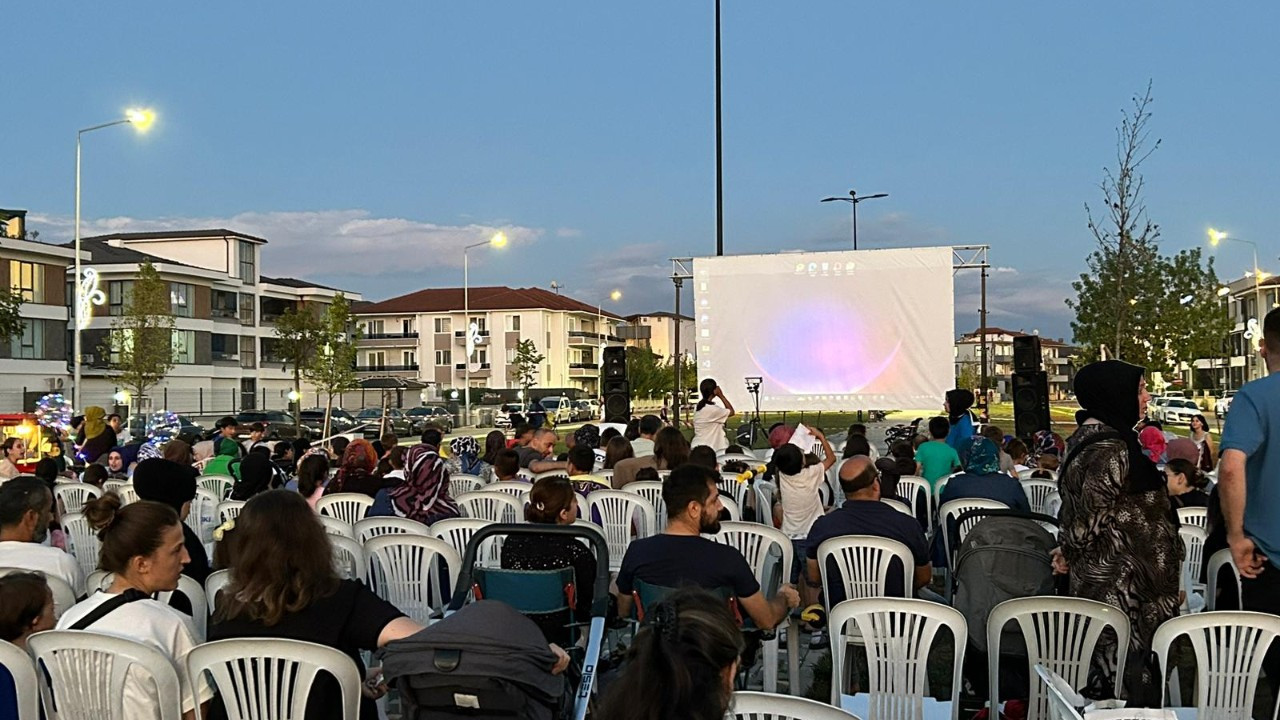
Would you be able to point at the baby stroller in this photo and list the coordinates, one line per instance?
(487, 658)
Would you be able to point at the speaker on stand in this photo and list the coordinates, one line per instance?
(615, 390)
(1030, 403)
(1026, 353)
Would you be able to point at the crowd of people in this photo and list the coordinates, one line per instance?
(1120, 477)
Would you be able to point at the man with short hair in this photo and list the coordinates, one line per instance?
(649, 426)
(26, 508)
(1248, 469)
(582, 460)
(705, 456)
(863, 514)
(256, 432)
(936, 459)
(681, 556)
(117, 426)
(533, 456)
(227, 429)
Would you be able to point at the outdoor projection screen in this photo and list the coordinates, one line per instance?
(861, 329)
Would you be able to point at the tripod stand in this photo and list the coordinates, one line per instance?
(751, 430)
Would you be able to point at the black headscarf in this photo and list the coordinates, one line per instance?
(958, 403)
(256, 472)
(165, 481)
(1108, 392)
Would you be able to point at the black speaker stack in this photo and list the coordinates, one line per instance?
(615, 389)
(1030, 388)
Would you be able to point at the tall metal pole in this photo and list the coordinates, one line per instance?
(679, 360)
(466, 337)
(853, 209)
(982, 334)
(75, 289)
(719, 155)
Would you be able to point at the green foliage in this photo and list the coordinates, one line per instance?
(524, 370)
(140, 345)
(10, 321)
(649, 375)
(332, 368)
(297, 331)
(968, 376)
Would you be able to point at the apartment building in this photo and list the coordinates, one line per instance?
(421, 336)
(1247, 300)
(1056, 354)
(657, 331)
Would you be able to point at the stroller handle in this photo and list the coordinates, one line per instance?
(600, 598)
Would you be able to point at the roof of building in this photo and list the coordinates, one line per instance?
(177, 235)
(436, 300)
(973, 337)
(102, 252)
(656, 313)
(296, 283)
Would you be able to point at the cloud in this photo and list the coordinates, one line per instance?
(567, 232)
(1016, 300)
(323, 242)
(889, 230)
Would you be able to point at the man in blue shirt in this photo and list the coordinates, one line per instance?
(1249, 483)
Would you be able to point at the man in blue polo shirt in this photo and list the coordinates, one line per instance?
(1249, 484)
(863, 514)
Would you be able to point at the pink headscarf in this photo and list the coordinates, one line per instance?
(780, 436)
(1153, 443)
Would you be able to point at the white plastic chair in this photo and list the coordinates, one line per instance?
(64, 596)
(337, 527)
(1229, 647)
(514, 488)
(219, 485)
(550, 473)
(915, 490)
(1192, 561)
(528, 474)
(735, 512)
(404, 571)
(491, 505)
(73, 495)
(1060, 635)
(739, 491)
(1053, 504)
(1038, 490)
(86, 671)
(618, 511)
(127, 494)
(457, 533)
(213, 584)
(949, 511)
(372, 527)
(1216, 561)
(898, 505)
(203, 516)
(113, 486)
(751, 460)
(651, 490)
(82, 542)
(195, 594)
(98, 580)
(898, 633)
(348, 507)
(229, 510)
(768, 706)
(1195, 516)
(348, 557)
(863, 563)
(1059, 707)
(463, 483)
(270, 678)
(23, 671)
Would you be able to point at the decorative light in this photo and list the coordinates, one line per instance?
(163, 425)
(121, 397)
(90, 294)
(54, 411)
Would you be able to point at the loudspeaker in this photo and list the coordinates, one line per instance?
(614, 363)
(617, 401)
(1030, 403)
(1026, 353)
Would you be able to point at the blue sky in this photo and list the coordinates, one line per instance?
(368, 143)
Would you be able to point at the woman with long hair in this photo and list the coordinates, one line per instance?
(1199, 428)
(682, 662)
(283, 584)
(494, 443)
(618, 448)
(709, 417)
(313, 474)
(670, 449)
(1186, 484)
(355, 471)
(142, 545)
(26, 608)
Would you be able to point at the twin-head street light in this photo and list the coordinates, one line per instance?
(498, 240)
(853, 200)
(141, 120)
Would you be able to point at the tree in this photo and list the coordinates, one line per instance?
(297, 330)
(1193, 321)
(141, 343)
(524, 370)
(649, 374)
(967, 376)
(333, 365)
(10, 319)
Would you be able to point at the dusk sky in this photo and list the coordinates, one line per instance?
(369, 142)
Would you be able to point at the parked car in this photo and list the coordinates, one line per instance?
(587, 410)
(395, 421)
(280, 425)
(1179, 411)
(137, 427)
(1223, 404)
(559, 408)
(1155, 409)
(502, 418)
(421, 417)
(340, 421)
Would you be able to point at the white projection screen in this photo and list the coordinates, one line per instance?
(847, 330)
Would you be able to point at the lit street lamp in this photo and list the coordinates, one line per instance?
(141, 121)
(853, 200)
(498, 240)
(1216, 237)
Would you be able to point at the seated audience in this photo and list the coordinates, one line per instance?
(464, 457)
(1048, 461)
(588, 436)
(116, 467)
(648, 427)
(338, 447)
(26, 608)
(616, 450)
(521, 435)
(394, 464)
(355, 471)
(900, 461)
(282, 456)
(856, 445)
(226, 460)
(705, 456)
(982, 478)
(1017, 451)
(996, 435)
(257, 474)
(1186, 484)
(581, 461)
(494, 443)
(313, 474)
(506, 466)
(143, 545)
(534, 456)
(670, 450)
(936, 458)
(424, 494)
(1153, 443)
(385, 442)
(94, 474)
(169, 483)
(681, 556)
(682, 664)
(26, 509)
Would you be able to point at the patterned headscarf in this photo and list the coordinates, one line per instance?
(981, 457)
(1047, 441)
(149, 450)
(587, 435)
(464, 446)
(424, 495)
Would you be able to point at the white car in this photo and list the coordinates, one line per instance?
(559, 407)
(1155, 409)
(1223, 404)
(1179, 411)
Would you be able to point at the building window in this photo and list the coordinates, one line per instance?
(181, 298)
(482, 356)
(119, 293)
(373, 327)
(406, 326)
(248, 272)
(444, 325)
(184, 347)
(409, 358)
(248, 353)
(223, 346)
(246, 309)
(222, 304)
(27, 279)
(377, 360)
(511, 355)
(444, 358)
(513, 323)
(29, 344)
(478, 321)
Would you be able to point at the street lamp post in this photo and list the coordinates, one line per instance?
(1222, 294)
(141, 120)
(853, 200)
(1215, 238)
(498, 240)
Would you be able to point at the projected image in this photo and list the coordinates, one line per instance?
(867, 329)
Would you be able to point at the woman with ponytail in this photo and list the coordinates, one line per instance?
(709, 418)
(682, 662)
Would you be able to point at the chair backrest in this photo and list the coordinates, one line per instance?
(349, 507)
(898, 633)
(82, 542)
(917, 492)
(127, 494)
(651, 490)
(949, 511)
(619, 511)
(348, 557)
(229, 510)
(1053, 504)
(1037, 491)
(203, 517)
(73, 495)
(1197, 516)
(1193, 557)
(514, 488)
(213, 584)
(751, 460)
(550, 473)
(372, 527)
(460, 483)
(491, 505)
(1061, 634)
(337, 527)
(1229, 647)
(457, 533)
(1216, 562)
(756, 543)
(863, 563)
(527, 473)
(770, 706)
(731, 505)
(729, 485)
(404, 570)
(113, 486)
(23, 670)
(898, 505)
(64, 596)
(219, 485)
(1059, 707)
(98, 580)
(195, 594)
(270, 678)
(85, 671)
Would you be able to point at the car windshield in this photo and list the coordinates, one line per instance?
(251, 417)
(369, 413)
(312, 415)
(415, 412)
(551, 403)
(1186, 404)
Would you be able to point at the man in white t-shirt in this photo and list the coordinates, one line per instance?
(799, 485)
(649, 426)
(26, 508)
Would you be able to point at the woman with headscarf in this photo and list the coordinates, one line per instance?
(225, 462)
(355, 472)
(982, 477)
(1119, 539)
(589, 436)
(174, 485)
(464, 457)
(424, 494)
(96, 437)
(178, 451)
(957, 407)
(256, 475)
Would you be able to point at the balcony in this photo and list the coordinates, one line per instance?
(391, 336)
(583, 337)
(387, 368)
(225, 356)
(481, 370)
(584, 369)
(460, 337)
(400, 339)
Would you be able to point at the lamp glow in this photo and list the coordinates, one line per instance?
(1224, 291)
(499, 239)
(615, 295)
(1216, 236)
